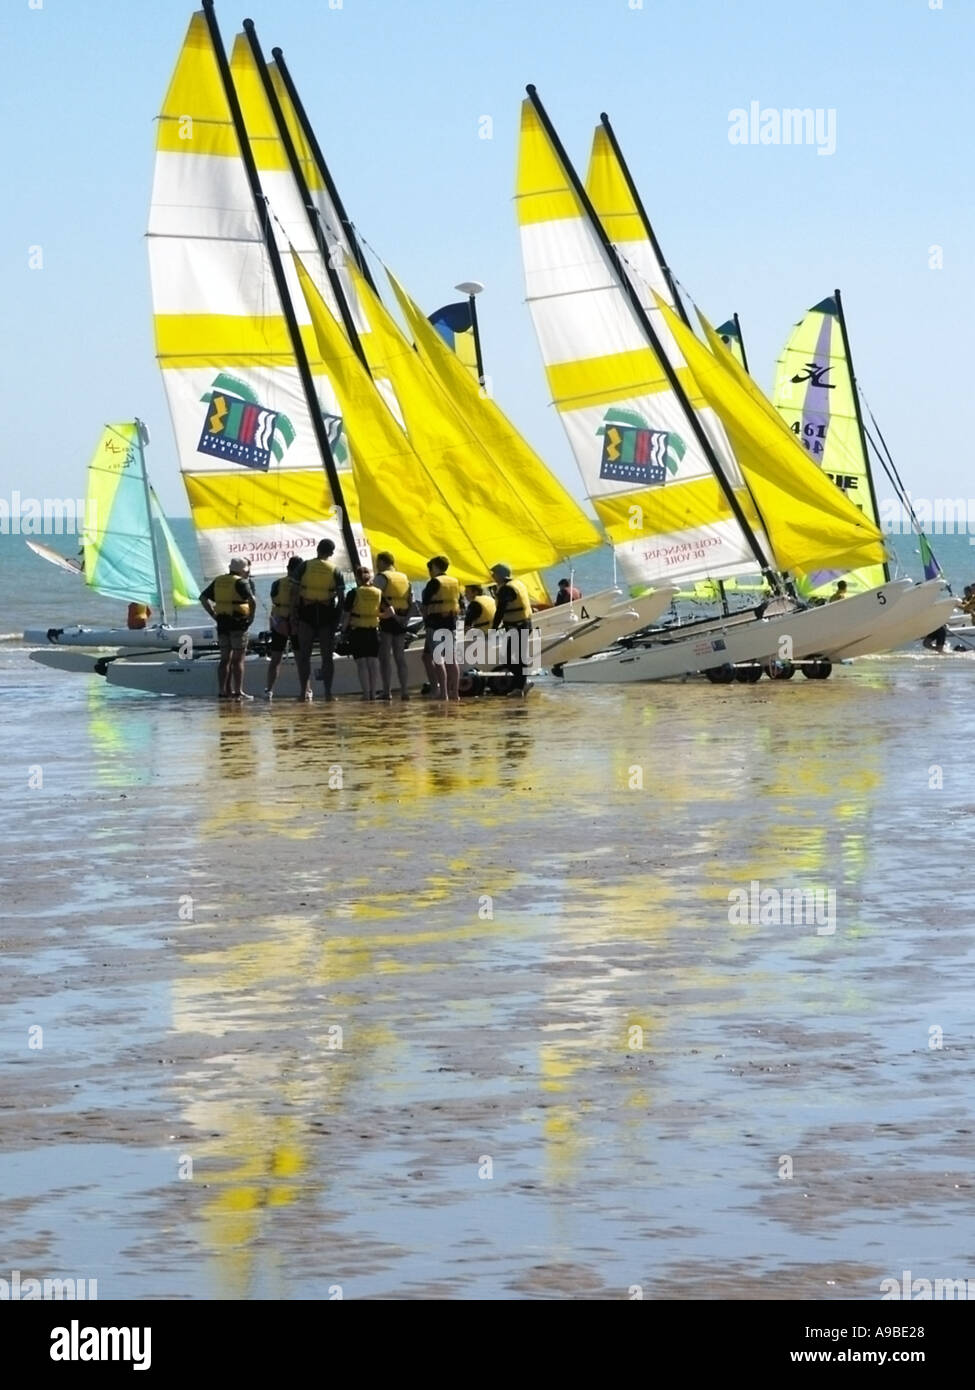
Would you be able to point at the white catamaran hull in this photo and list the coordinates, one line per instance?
(923, 609)
(809, 632)
(199, 677)
(596, 636)
(153, 637)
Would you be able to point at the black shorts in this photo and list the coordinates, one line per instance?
(363, 641)
(279, 642)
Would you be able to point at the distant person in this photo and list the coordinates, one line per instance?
(839, 592)
(968, 601)
(514, 614)
(440, 604)
(397, 605)
(317, 608)
(480, 610)
(361, 623)
(567, 592)
(229, 600)
(283, 593)
(935, 641)
(138, 616)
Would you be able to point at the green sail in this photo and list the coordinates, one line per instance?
(186, 590)
(118, 545)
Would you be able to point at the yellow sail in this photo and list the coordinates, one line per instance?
(555, 515)
(807, 519)
(247, 446)
(641, 462)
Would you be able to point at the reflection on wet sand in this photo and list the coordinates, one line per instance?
(459, 1008)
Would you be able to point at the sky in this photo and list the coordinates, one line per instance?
(397, 91)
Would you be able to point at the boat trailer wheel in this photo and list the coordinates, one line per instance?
(818, 669)
(780, 670)
(748, 675)
(721, 675)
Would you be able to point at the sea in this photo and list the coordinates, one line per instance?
(654, 991)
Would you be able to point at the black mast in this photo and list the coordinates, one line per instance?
(741, 343)
(634, 194)
(640, 313)
(298, 174)
(281, 284)
(327, 179)
(856, 405)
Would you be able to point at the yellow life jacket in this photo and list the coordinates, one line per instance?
(317, 582)
(446, 602)
(365, 606)
(281, 603)
(485, 617)
(519, 611)
(397, 590)
(226, 600)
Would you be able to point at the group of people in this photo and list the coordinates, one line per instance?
(311, 607)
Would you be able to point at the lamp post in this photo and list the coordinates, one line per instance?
(472, 288)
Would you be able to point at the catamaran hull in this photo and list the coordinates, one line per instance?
(77, 661)
(114, 637)
(621, 621)
(199, 677)
(806, 632)
(923, 609)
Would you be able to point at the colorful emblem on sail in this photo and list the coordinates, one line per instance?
(239, 429)
(635, 453)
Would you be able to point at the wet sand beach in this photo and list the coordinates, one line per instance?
(446, 1003)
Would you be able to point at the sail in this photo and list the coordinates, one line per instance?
(420, 488)
(641, 464)
(814, 394)
(455, 324)
(808, 521)
(247, 448)
(117, 539)
(730, 334)
(554, 521)
(186, 590)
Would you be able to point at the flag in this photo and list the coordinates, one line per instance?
(455, 324)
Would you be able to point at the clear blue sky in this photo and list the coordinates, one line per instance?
(395, 89)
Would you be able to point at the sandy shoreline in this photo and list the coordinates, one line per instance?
(487, 1036)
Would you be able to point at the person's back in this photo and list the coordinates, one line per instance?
(397, 594)
(315, 614)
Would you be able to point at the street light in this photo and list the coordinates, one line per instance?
(472, 288)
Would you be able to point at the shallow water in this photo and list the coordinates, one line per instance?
(486, 907)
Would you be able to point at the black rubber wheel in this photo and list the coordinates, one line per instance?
(818, 670)
(780, 670)
(500, 685)
(721, 675)
(748, 675)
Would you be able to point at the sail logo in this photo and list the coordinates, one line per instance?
(238, 429)
(635, 453)
(815, 375)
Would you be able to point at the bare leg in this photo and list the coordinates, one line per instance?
(303, 654)
(399, 651)
(452, 681)
(326, 641)
(223, 671)
(373, 675)
(387, 645)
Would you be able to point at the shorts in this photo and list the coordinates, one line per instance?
(233, 641)
(363, 642)
(279, 641)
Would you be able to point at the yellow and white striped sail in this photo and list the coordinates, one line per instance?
(810, 522)
(250, 461)
(614, 203)
(648, 477)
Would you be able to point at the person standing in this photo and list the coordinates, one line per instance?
(282, 630)
(397, 603)
(229, 600)
(514, 614)
(440, 604)
(315, 615)
(361, 622)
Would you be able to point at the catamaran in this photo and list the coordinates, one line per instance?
(689, 476)
(121, 558)
(318, 411)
